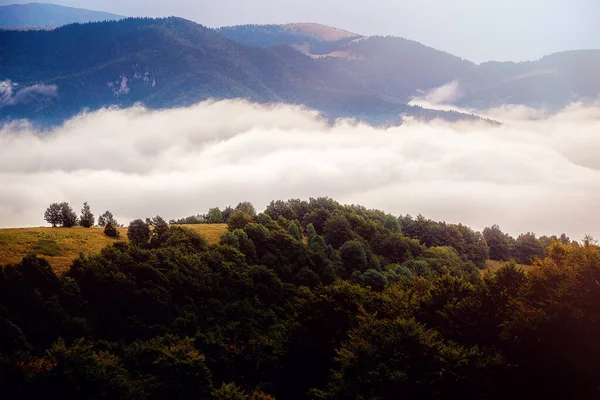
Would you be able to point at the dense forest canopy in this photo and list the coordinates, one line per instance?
(308, 299)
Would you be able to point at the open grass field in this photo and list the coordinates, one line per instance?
(494, 265)
(60, 246)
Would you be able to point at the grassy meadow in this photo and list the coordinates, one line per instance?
(60, 246)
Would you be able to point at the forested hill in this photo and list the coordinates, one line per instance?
(401, 68)
(306, 300)
(48, 15)
(48, 76)
(166, 63)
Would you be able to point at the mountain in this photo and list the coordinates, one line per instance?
(311, 39)
(401, 69)
(52, 75)
(48, 15)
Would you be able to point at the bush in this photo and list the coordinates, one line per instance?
(111, 230)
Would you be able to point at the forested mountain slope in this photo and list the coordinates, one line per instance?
(309, 299)
(48, 15)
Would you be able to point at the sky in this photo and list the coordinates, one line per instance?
(535, 172)
(501, 30)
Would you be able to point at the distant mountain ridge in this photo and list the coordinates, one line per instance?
(49, 15)
(51, 75)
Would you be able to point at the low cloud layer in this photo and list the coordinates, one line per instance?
(11, 93)
(533, 173)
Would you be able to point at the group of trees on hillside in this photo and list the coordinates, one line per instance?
(473, 246)
(62, 214)
(307, 300)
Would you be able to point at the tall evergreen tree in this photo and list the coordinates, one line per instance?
(87, 218)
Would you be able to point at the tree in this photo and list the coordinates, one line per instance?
(61, 214)
(392, 223)
(138, 233)
(354, 257)
(238, 220)
(215, 216)
(87, 218)
(247, 207)
(159, 228)
(526, 248)
(226, 213)
(311, 233)
(105, 218)
(53, 214)
(337, 231)
(294, 229)
(498, 242)
(110, 229)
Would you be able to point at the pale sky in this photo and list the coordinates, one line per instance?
(479, 30)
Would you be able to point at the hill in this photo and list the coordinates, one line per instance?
(308, 38)
(52, 75)
(48, 15)
(60, 246)
(166, 63)
(48, 76)
(401, 69)
(309, 299)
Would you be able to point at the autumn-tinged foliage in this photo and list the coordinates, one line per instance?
(309, 300)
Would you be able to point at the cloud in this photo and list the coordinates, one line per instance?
(11, 94)
(445, 94)
(539, 175)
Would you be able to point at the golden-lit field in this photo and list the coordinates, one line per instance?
(494, 265)
(60, 246)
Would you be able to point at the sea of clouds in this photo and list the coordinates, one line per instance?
(534, 172)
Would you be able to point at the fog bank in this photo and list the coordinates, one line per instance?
(535, 172)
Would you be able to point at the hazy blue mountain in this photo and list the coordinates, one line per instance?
(400, 69)
(48, 15)
(165, 63)
(50, 75)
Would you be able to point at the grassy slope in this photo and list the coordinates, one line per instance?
(61, 245)
(494, 265)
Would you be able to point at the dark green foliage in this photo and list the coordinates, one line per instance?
(337, 231)
(293, 229)
(138, 233)
(266, 313)
(246, 207)
(392, 224)
(238, 220)
(105, 218)
(87, 218)
(526, 248)
(280, 208)
(354, 257)
(370, 278)
(110, 229)
(68, 216)
(61, 214)
(214, 216)
(499, 243)
(53, 214)
(317, 217)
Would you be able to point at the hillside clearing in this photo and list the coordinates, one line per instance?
(493, 265)
(60, 246)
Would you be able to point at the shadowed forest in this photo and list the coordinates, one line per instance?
(307, 300)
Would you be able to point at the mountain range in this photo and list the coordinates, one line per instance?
(48, 15)
(50, 75)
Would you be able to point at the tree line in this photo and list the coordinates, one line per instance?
(307, 300)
